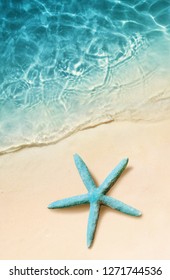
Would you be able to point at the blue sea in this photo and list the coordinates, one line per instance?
(72, 64)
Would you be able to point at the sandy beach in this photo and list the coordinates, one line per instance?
(32, 178)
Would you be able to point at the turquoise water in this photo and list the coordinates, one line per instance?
(66, 65)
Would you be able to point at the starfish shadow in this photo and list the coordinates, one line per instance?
(72, 210)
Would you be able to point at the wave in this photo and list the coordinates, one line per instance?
(69, 65)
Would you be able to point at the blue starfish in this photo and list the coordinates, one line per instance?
(96, 196)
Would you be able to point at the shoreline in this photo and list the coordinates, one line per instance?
(78, 129)
(32, 178)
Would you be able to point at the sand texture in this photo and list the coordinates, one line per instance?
(32, 178)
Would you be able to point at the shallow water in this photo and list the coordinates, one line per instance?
(66, 65)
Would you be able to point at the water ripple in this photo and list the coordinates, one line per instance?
(70, 64)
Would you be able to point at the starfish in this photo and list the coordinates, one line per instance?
(96, 196)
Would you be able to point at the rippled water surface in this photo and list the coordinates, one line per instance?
(70, 64)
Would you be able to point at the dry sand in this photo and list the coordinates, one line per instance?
(32, 178)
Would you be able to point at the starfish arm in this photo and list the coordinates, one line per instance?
(113, 176)
(71, 201)
(92, 222)
(84, 173)
(120, 206)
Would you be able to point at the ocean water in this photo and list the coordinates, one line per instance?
(66, 65)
